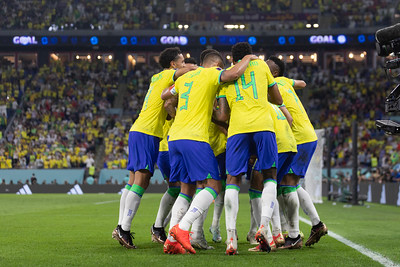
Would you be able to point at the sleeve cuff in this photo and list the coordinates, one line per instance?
(173, 75)
(272, 84)
(219, 78)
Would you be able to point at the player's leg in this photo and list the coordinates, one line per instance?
(267, 153)
(167, 201)
(122, 206)
(201, 163)
(143, 152)
(219, 201)
(299, 167)
(198, 237)
(255, 197)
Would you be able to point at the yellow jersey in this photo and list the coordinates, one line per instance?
(301, 126)
(247, 99)
(284, 136)
(152, 116)
(164, 141)
(197, 90)
(217, 139)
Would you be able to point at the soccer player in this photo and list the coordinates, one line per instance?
(306, 140)
(143, 142)
(287, 149)
(169, 197)
(251, 131)
(192, 158)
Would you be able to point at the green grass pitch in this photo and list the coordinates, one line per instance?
(71, 230)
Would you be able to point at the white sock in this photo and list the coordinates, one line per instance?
(282, 214)
(218, 207)
(197, 226)
(308, 206)
(292, 207)
(199, 205)
(256, 206)
(179, 209)
(275, 220)
(269, 235)
(132, 203)
(167, 219)
(231, 206)
(268, 201)
(166, 203)
(122, 205)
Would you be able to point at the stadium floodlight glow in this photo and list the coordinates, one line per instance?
(45, 40)
(186, 26)
(123, 40)
(242, 26)
(229, 26)
(316, 25)
(203, 40)
(362, 55)
(228, 57)
(301, 56)
(291, 57)
(312, 56)
(282, 40)
(280, 57)
(77, 57)
(94, 40)
(308, 25)
(351, 55)
(262, 57)
(187, 55)
(89, 57)
(252, 40)
(180, 26)
(110, 57)
(98, 57)
(341, 39)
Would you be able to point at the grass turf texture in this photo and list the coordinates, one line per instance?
(56, 229)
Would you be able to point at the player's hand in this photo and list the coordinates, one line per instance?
(192, 67)
(252, 57)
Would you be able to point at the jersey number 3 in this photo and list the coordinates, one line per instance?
(185, 95)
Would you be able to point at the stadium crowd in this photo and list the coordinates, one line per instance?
(119, 15)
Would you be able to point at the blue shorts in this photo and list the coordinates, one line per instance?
(163, 164)
(303, 157)
(143, 151)
(285, 161)
(240, 147)
(221, 158)
(192, 161)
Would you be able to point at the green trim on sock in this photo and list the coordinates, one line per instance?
(269, 180)
(290, 171)
(254, 193)
(174, 191)
(189, 199)
(298, 186)
(198, 190)
(138, 189)
(233, 186)
(273, 165)
(128, 186)
(227, 172)
(279, 191)
(288, 189)
(211, 191)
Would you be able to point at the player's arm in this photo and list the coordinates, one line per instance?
(274, 96)
(169, 92)
(181, 71)
(299, 84)
(223, 129)
(286, 112)
(222, 112)
(170, 106)
(236, 71)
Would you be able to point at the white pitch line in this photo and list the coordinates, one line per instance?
(363, 250)
(105, 202)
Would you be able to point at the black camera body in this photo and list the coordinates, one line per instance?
(388, 44)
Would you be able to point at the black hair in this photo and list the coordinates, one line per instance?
(280, 65)
(240, 50)
(204, 53)
(168, 55)
(190, 60)
(213, 56)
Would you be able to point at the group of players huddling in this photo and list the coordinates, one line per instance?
(215, 125)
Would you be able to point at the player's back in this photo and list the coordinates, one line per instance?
(152, 116)
(197, 90)
(247, 99)
(301, 125)
(285, 139)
